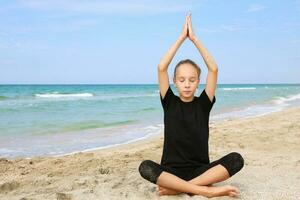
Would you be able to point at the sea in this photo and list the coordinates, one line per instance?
(55, 120)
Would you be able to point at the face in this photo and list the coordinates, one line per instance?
(186, 80)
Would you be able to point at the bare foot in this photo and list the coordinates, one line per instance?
(227, 190)
(166, 191)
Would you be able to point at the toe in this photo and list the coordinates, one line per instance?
(232, 194)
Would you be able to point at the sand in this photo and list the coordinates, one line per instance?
(270, 145)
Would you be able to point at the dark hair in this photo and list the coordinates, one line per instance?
(190, 62)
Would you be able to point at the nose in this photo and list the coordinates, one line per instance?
(187, 84)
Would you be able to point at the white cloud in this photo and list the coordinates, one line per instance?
(111, 7)
(255, 8)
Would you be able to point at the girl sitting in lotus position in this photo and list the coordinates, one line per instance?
(185, 165)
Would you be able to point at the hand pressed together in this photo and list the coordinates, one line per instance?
(187, 31)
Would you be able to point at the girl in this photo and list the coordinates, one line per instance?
(185, 165)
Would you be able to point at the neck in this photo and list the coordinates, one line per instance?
(189, 99)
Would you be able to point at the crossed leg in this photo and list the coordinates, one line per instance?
(212, 175)
(216, 171)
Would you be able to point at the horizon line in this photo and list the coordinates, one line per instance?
(136, 83)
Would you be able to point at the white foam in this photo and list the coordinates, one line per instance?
(109, 146)
(63, 95)
(241, 88)
(283, 100)
(248, 112)
(83, 142)
(274, 105)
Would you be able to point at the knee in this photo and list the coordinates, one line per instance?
(144, 166)
(237, 161)
(233, 162)
(149, 170)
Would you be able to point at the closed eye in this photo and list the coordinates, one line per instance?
(182, 80)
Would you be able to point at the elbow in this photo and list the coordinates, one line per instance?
(214, 69)
(161, 68)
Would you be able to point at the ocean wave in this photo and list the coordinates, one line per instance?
(143, 110)
(63, 95)
(241, 88)
(124, 96)
(95, 124)
(283, 100)
(248, 112)
(136, 96)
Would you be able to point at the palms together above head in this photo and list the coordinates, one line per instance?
(187, 30)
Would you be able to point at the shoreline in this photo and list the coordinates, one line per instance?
(148, 136)
(152, 137)
(43, 139)
(136, 141)
(50, 147)
(268, 143)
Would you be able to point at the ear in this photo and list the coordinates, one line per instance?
(174, 81)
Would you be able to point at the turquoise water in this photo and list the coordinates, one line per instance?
(58, 119)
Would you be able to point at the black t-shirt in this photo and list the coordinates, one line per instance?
(186, 130)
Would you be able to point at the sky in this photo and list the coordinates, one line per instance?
(122, 42)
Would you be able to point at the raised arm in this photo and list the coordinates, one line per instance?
(163, 77)
(212, 76)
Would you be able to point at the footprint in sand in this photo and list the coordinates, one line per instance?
(9, 186)
(64, 196)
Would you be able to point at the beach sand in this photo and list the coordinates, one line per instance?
(270, 145)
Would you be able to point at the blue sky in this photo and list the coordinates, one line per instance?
(119, 41)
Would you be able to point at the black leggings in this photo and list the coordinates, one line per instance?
(151, 170)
